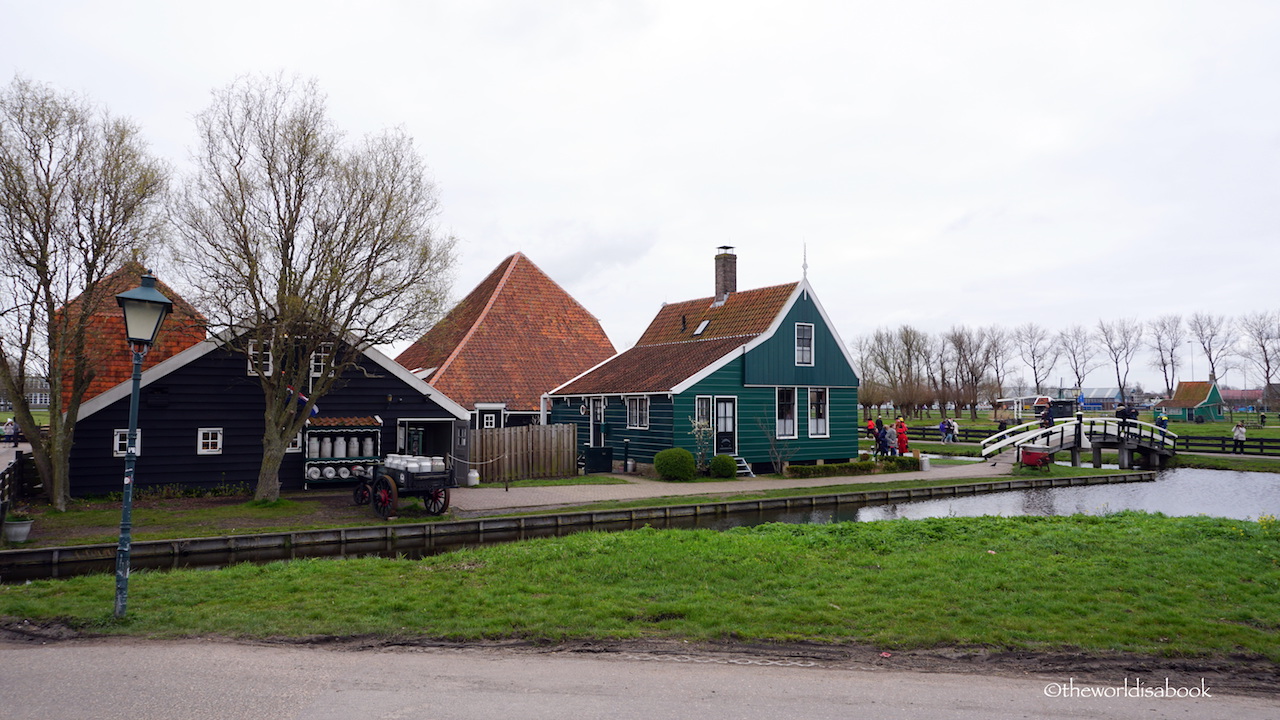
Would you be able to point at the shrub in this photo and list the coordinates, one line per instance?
(863, 467)
(675, 464)
(724, 466)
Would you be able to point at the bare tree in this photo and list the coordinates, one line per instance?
(305, 248)
(1121, 339)
(1038, 350)
(872, 390)
(972, 361)
(1216, 337)
(1079, 347)
(1260, 343)
(999, 350)
(1165, 335)
(940, 369)
(78, 195)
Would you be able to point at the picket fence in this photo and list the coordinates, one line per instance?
(529, 451)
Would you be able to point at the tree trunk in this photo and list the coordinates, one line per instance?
(268, 488)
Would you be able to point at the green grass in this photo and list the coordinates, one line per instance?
(1126, 582)
(853, 487)
(1243, 463)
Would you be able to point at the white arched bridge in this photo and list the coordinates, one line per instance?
(1135, 441)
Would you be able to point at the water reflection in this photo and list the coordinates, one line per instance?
(1181, 492)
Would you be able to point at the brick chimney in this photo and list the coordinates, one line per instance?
(726, 272)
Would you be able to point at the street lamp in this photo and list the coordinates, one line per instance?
(144, 309)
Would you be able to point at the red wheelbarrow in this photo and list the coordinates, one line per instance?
(1037, 456)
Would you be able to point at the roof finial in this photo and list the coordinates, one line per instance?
(805, 268)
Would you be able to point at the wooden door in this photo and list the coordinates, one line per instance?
(726, 426)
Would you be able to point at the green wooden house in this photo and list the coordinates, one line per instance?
(764, 371)
(1191, 400)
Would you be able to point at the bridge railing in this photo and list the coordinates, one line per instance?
(1063, 434)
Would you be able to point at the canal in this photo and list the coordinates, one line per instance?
(1181, 492)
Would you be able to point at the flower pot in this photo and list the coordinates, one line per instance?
(17, 530)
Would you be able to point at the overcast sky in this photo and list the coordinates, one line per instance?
(944, 163)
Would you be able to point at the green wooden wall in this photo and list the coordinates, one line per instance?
(774, 362)
(757, 408)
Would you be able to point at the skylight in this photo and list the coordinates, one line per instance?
(701, 326)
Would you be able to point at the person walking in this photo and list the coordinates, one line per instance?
(901, 427)
(944, 430)
(953, 430)
(1237, 437)
(11, 432)
(883, 448)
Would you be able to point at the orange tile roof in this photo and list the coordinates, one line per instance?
(1189, 394)
(344, 422)
(672, 350)
(105, 343)
(517, 335)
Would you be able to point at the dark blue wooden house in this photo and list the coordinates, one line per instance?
(200, 423)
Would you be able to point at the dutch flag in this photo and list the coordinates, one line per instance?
(302, 400)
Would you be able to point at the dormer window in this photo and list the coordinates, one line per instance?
(701, 326)
(804, 344)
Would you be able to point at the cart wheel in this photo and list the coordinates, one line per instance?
(362, 493)
(386, 498)
(436, 501)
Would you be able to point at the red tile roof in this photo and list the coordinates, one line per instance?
(105, 343)
(672, 350)
(1189, 394)
(344, 422)
(517, 335)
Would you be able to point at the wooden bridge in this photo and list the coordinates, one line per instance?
(1135, 441)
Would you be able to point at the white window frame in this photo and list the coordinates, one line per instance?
(209, 441)
(824, 430)
(804, 353)
(710, 407)
(320, 358)
(778, 429)
(489, 420)
(120, 443)
(254, 359)
(638, 412)
(295, 445)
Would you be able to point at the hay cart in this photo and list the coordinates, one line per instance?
(383, 486)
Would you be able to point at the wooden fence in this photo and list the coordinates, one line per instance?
(529, 451)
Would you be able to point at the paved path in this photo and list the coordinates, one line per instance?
(491, 499)
(220, 681)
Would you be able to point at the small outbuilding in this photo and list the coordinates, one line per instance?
(1193, 401)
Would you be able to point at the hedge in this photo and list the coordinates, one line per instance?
(901, 463)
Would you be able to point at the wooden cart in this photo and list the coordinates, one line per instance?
(384, 487)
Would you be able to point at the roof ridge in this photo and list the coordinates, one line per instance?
(713, 298)
(493, 296)
(705, 339)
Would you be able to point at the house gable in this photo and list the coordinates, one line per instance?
(774, 360)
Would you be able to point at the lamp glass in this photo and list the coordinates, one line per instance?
(142, 320)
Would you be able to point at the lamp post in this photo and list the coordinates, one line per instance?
(144, 309)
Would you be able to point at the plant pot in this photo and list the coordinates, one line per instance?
(17, 530)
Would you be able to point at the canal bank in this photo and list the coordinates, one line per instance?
(433, 537)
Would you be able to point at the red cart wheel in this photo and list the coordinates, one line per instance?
(362, 493)
(436, 501)
(386, 498)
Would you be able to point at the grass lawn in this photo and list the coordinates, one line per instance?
(1128, 582)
